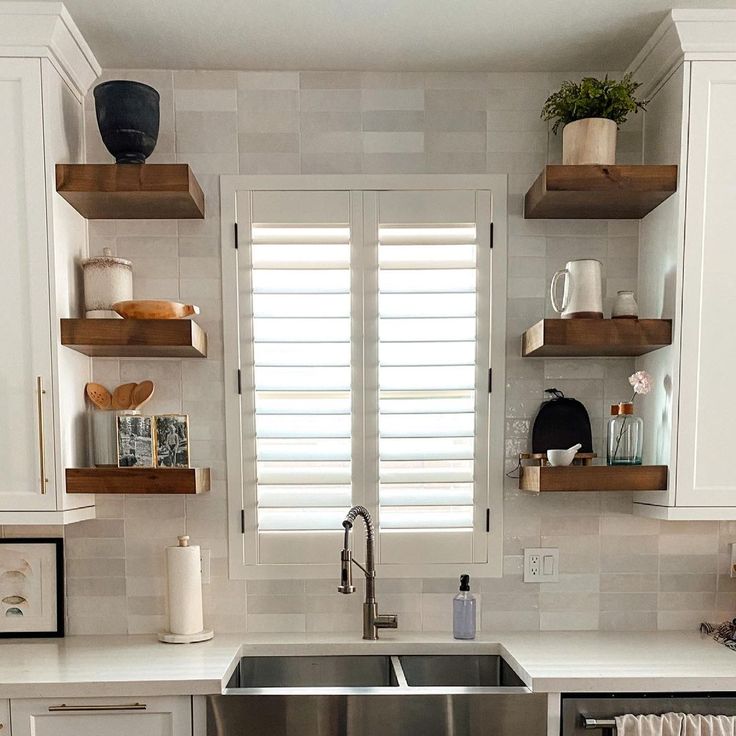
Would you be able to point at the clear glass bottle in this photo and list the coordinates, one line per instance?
(625, 437)
(463, 611)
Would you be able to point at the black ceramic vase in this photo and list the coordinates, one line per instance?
(128, 119)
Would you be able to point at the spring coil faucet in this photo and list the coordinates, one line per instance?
(372, 620)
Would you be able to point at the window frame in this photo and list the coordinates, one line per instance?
(236, 467)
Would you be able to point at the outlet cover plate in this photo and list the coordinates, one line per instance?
(541, 565)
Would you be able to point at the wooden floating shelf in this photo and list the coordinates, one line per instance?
(176, 481)
(135, 338)
(548, 479)
(567, 338)
(599, 192)
(131, 191)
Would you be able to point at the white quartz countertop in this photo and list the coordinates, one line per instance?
(90, 666)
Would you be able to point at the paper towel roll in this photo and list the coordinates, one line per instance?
(185, 588)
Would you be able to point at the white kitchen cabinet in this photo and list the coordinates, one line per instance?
(707, 407)
(26, 455)
(4, 718)
(142, 716)
(687, 266)
(42, 241)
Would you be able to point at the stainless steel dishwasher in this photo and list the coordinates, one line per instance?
(375, 695)
(588, 715)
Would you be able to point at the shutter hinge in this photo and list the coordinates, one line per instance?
(240, 381)
(242, 521)
(236, 234)
(488, 520)
(490, 380)
(491, 236)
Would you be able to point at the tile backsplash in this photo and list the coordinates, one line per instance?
(617, 571)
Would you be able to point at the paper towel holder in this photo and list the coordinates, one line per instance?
(168, 638)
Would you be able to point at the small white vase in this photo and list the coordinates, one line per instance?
(589, 141)
(625, 306)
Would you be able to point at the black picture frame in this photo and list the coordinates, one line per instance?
(58, 543)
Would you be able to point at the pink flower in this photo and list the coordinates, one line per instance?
(641, 382)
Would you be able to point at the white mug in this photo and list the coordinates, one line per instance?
(583, 295)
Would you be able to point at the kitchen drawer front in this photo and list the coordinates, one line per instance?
(142, 716)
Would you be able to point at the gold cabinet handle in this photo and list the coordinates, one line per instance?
(41, 439)
(107, 706)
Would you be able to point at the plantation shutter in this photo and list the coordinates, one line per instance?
(301, 342)
(364, 347)
(432, 307)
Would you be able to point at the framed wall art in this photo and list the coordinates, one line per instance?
(31, 587)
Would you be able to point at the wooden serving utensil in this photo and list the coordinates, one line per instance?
(99, 396)
(154, 309)
(141, 394)
(121, 396)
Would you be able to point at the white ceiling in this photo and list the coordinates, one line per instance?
(497, 35)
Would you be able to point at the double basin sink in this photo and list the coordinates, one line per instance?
(375, 695)
(371, 674)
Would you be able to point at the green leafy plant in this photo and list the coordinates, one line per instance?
(593, 98)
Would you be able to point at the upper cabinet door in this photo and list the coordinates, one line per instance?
(705, 475)
(26, 450)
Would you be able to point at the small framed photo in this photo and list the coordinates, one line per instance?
(172, 440)
(31, 587)
(135, 441)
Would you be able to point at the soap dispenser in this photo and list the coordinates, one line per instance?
(463, 611)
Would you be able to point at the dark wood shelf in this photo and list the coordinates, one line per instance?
(599, 192)
(135, 338)
(568, 338)
(573, 478)
(131, 191)
(177, 481)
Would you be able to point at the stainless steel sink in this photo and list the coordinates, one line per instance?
(464, 670)
(456, 695)
(314, 672)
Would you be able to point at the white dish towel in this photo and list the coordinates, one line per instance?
(675, 724)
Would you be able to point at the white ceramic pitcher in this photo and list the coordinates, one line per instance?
(582, 296)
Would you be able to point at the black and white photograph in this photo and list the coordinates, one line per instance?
(172, 440)
(135, 442)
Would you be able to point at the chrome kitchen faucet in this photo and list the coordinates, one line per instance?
(372, 620)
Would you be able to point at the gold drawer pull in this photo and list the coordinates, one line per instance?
(41, 438)
(81, 708)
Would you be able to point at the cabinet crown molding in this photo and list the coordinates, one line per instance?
(684, 35)
(46, 30)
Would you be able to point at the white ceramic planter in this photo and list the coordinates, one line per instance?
(589, 141)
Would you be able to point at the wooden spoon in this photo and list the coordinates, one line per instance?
(141, 394)
(121, 396)
(99, 396)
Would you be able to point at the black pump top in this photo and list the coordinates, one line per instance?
(465, 582)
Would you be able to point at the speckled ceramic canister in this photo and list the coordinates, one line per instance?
(107, 280)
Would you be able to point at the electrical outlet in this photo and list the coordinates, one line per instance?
(204, 565)
(541, 565)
